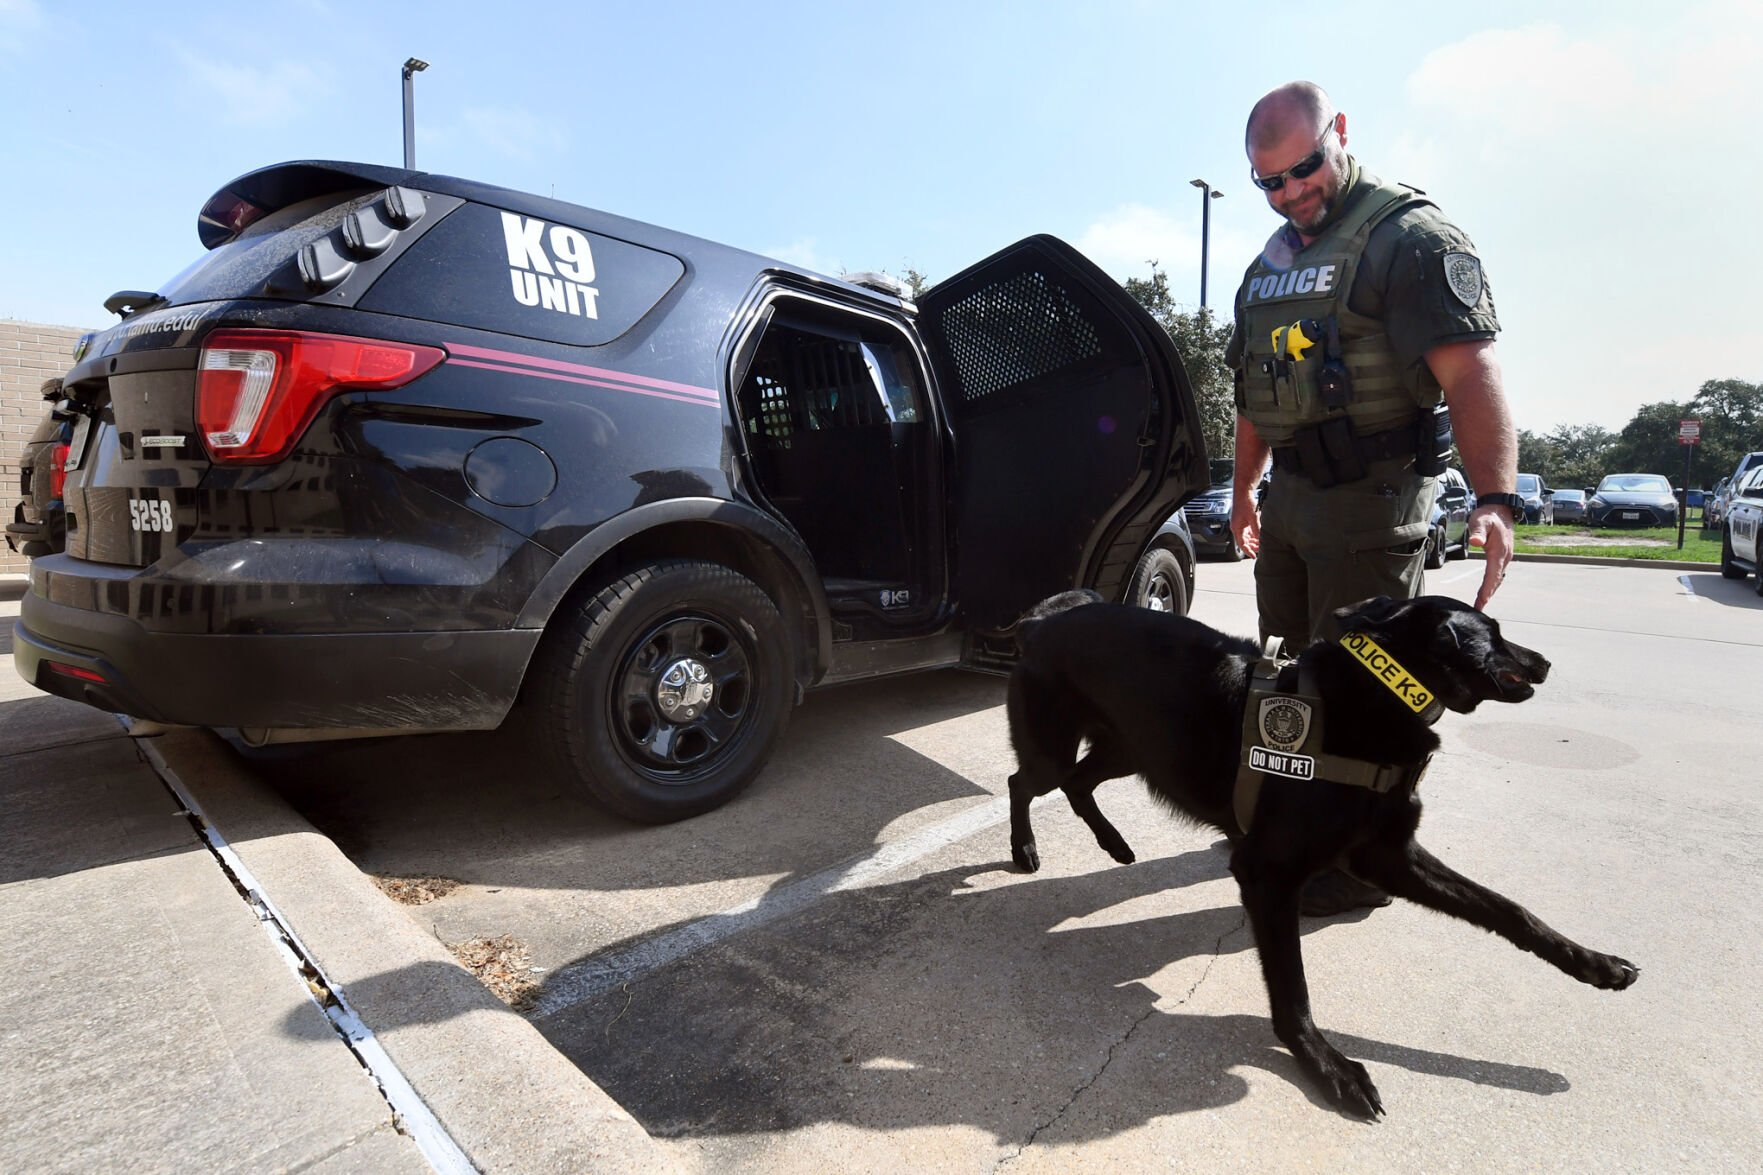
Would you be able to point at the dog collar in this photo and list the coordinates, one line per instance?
(1410, 689)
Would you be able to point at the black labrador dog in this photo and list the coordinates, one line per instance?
(1162, 696)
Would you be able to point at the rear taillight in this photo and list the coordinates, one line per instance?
(58, 469)
(258, 390)
(75, 671)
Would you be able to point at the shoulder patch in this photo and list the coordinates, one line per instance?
(1463, 275)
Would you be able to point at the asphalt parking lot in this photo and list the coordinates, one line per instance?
(841, 970)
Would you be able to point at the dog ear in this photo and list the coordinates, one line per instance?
(1376, 610)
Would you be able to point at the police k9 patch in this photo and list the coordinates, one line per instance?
(1463, 275)
(1284, 723)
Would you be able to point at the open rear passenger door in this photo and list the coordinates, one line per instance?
(1075, 428)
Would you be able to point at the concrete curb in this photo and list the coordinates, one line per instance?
(1607, 561)
(507, 1098)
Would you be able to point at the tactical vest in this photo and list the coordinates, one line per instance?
(1300, 337)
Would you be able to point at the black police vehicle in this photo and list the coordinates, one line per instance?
(38, 525)
(401, 451)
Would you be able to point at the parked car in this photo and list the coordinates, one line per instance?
(1448, 536)
(1568, 506)
(1741, 539)
(1633, 499)
(1714, 505)
(1208, 514)
(1536, 494)
(402, 449)
(39, 518)
(1721, 500)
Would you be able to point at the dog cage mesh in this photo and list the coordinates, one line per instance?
(1016, 330)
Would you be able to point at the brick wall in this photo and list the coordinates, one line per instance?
(29, 354)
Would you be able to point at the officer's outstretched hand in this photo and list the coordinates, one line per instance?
(1490, 528)
(1245, 525)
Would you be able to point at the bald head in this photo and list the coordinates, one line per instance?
(1296, 107)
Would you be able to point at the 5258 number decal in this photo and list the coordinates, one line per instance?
(151, 515)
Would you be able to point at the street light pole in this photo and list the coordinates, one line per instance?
(1207, 195)
(413, 65)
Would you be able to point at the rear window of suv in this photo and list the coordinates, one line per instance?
(242, 268)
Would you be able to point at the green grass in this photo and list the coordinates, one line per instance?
(1699, 546)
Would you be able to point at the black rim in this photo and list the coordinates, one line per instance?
(680, 748)
(1160, 593)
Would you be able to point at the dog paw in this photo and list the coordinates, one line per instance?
(1119, 850)
(1609, 972)
(1027, 857)
(1348, 1086)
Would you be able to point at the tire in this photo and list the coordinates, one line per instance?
(1158, 583)
(1232, 552)
(1462, 551)
(1435, 549)
(1728, 569)
(614, 705)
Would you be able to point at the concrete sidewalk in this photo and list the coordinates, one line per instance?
(153, 1024)
(151, 1011)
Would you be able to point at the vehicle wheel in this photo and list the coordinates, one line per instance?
(1158, 583)
(1728, 568)
(1435, 549)
(663, 692)
(1233, 553)
(1462, 551)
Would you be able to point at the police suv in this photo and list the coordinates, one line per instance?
(401, 451)
(1741, 537)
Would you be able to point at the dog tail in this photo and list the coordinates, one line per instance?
(1050, 607)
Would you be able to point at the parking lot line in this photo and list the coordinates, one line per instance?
(608, 971)
(1689, 589)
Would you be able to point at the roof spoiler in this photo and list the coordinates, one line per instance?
(256, 194)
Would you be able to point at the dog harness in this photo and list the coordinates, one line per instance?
(1283, 725)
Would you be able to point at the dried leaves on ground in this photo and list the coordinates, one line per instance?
(414, 891)
(502, 965)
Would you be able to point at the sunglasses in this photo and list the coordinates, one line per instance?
(1303, 169)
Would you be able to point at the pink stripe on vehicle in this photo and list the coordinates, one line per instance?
(580, 369)
(576, 379)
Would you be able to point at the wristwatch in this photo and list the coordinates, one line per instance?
(1512, 502)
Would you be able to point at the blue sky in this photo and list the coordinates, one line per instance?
(1604, 156)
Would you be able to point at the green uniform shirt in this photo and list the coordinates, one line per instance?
(1401, 281)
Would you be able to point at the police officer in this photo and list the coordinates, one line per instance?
(1365, 316)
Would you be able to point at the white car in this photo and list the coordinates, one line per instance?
(1741, 539)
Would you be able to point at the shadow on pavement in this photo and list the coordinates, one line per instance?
(962, 997)
(477, 808)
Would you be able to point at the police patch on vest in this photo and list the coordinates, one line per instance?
(1463, 275)
(1284, 722)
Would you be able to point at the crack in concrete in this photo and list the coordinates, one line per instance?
(1217, 949)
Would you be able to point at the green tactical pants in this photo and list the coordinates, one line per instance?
(1326, 549)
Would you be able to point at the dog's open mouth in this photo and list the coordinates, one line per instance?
(1514, 685)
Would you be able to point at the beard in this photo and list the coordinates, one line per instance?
(1315, 214)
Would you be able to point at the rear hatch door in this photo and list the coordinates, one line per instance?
(138, 467)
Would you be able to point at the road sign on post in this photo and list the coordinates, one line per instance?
(1689, 433)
